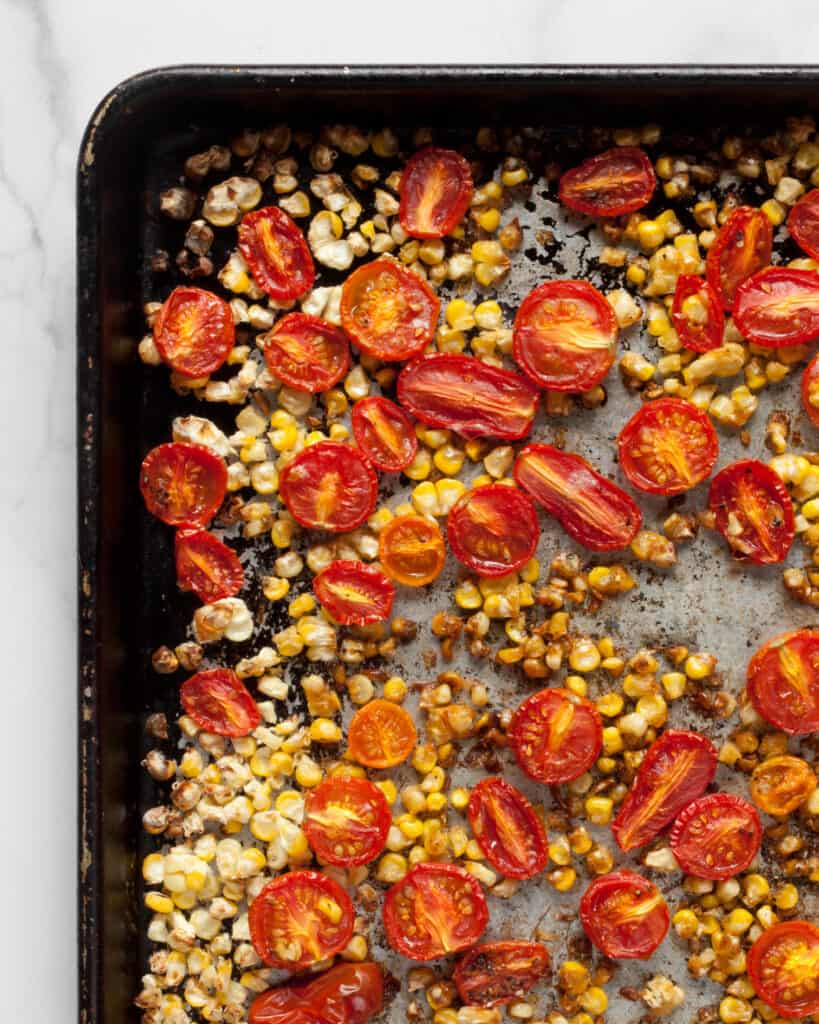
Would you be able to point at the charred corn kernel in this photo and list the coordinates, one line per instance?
(562, 879)
(436, 802)
(301, 605)
(786, 897)
(594, 1000)
(448, 459)
(159, 903)
(308, 774)
(391, 868)
(612, 740)
(275, 588)
(599, 809)
(610, 704)
(573, 977)
(738, 921)
(459, 798)
(699, 666)
(650, 234)
(584, 656)
(395, 689)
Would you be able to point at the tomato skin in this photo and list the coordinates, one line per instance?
(447, 892)
(306, 352)
(555, 736)
(493, 529)
(507, 829)
(620, 894)
(384, 433)
(498, 973)
(781, 784)
(277, 253)
(803, 223)
(743, 246)
(183, 484)
(435, 192)
(698, 337)
(381, 734)
(750, 493)
(774, 963)
(783, 682)
(344, 994)
(810, 390)
(207, 566)
(590, 508)
(329, 486)
(677, 769)
(468, 396)
(194, 332)
(778, 306)
(716, 837)
(411, 550)
(219, 702)
(354, 594)
(618, 181)
(360, 834)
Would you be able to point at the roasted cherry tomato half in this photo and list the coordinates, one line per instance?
(781, 784)
(743, 246)
(565, 336)
(677, 769)
(497, 973)
(219, 702)
(329, 486)
(493, 529)
(354, 594)
(194, 332)
(589, 507)
(183, 484)
(783, 682)
(810, 390)
(783, 965)
(207, 566)
(411, 550)
(555, 736)
(697, 314)
(435, 190)
(435, 909)
(307, 353)
(778, 306)
(621, 180)
(624, 915)
(384, 433)
(346, 820)
(753, 511)
(803, 223)
(389, 312)
(716, 836)
(668, 446)
(276, 252)
(507, 829)
(381, 734)
(300, 918)
(346, 994)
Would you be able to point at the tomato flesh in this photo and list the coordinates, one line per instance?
(307, 353)
(624, 915)
(743, 246)
(697, 314)
(783, 965)
(555, 736)
(219, 702)
(803, 223)
(411, 550)
(207, 566)
(782, 784)
(329, 486)
(384, 433)
(435, 191)
(716, 837)
(783, 682)
(497, 973)
(381, 734)
(618, 181)
(493, 529)
(810, 390)
(778, 306)
(354, 594)
(194, 332)
(346, 994)
(753, 511)
(507, 829)
(183, 484)
(346, 820)
(277, 253)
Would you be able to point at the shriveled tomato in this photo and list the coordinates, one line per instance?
(183, 484)
(716, 836)
(618, 181)
(411, 550)
(783, 681)
(753, 511)
(194, 332)
(497, 973)
(435, 190)
(743, 246)
(783, 965)
(219, 702)
(778, 306)
(306, 352)
(668, 446)
(300, 918)
(384, 433)
(555, 736)
(493, 529)
(329, 486)
(803, 223)
(697, 314)
(781, 784)
(276, 252)
(381, 734)
(507, 829)
(207, 566)
(810, 390)
(624, 915)
(346, 820)
(677, 769)
(346, 994)
(354, 593)
(565, 336)
(435, 909)
(464, 394)
(589, 507)
(388, 311)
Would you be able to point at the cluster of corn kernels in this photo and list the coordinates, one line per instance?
(800, 473)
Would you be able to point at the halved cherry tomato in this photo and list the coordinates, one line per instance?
(183, 484)
(384, 433)
(381, 734)
(493, 529)
(306, 352)
(435, 190)
(781, 784)
(697, 314)
(219, 702)
(676, 770)
(743, 246)
(346, 994)
(329, 486)
(346, 820)
(803, 223)
(668, 446)
(555, 736)
(194, 332)
(276, 252)
(497, 973)
(207, 566)
(354, 593)
(624, 915)
(621, 180)
(783, 681)
(565, 336)
(716, 836)
(753, 511)
(778, 306)
(507, 829)
(783, 965)
(300, 918)
(810, 389)
(389, 312)
(589, 507)
(435, 909)
(411, 550)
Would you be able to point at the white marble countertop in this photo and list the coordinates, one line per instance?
(57, 59)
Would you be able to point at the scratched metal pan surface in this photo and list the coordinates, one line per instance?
(135, 145)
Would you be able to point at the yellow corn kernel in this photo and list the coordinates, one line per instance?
(448, 459)
(391, 868)
(577, 685)
(738, 921)
(699, 666)
(488, 219)
(467, 596)
(301, 605)
(420, 467)
(685, 923)
(308, 774)
(409, 825)
(159, 903)
(275, 587)
(424, 758)
(774, 211)
(786, 897)
(584, 656)
(281, 763)
(282, 533)
(514, 176)
(636, 275)
(433, 781)
(599, 809)
(650, 234)
(610, 704)
(562, 879)
(387, 787)
(395, 689)
(594, 1000)
(356, 949)
(735, 1011)
(612, 740)
(573, 977)
(674, 684)
(436, 802)
(459, 315)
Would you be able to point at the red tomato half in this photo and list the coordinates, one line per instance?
(436, 189)
(219, 702)
(589, 507)
(194, 332)
(624, 915)
(555, 736)
(276, 252)
(783, 965)
(783, 682)
(346, 994)
(464, 394)
(384, 433)
(716, 836)
(565, 336)
(493, 529)
(810, 390)
(753, 510)
(497, 973)
(668, 446)
(697, 314)
(207, 566)
(743, 246)
(306, 352)
(621, 180)
(803, 223)
(355, 594)
(346, 820)
(778, 306)
(183, 484)
(329, 486)
(677, 769)
(507, 829)
(435, 909)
